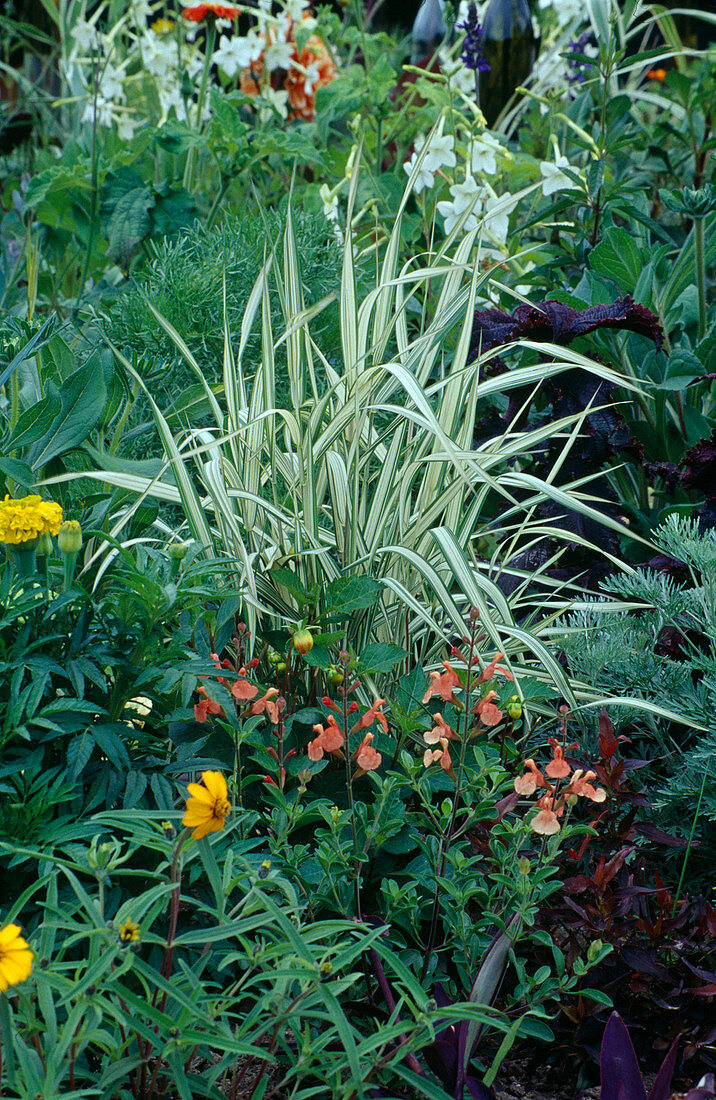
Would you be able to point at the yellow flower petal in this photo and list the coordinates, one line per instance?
(200, 794)
(215, 784)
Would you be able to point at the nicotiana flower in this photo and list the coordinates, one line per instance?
(554, 178)
(484, 152)
(85, 36)
(237, 53)
(465, 195)
(440, 154)
(459, 78)
(497, 210)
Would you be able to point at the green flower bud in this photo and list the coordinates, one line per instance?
(44, 545)
(69, 540)
(177, 551)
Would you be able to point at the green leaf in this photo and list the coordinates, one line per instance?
(617, 257)
(348, 594)
(125, 206)
(381, 657)
(82, 399)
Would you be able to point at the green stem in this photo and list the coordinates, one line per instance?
(700, 259)
(691, 838)
(210, 40)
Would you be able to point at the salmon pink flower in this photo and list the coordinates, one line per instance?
(529, 782)
(439, 756)
(330, 739)
(579, 784)
(489, 671)
(441, 731)
(487, 712)
(366, 757)
(558, 768)
(374, 714)
(443, 684)
(242, 689)
(206, 706)
(267, 705)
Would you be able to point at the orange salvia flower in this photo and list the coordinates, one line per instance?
(657, 74)
(242, 689)
(486, 710)
(558, 768)
(366, 757)
(489, 671)
(266, 703)
(374, 714)
(443, 684)
(206, 706)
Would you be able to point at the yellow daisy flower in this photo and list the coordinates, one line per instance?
(15, 957)
(128, 932)
(208, 806)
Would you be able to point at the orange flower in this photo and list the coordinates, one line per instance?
(441, 731)
(489, 671)
(242, 689)
(558, 768)
(529, 782)
(486, 710)
(198, 12)
(208, 806)
(313, 68)
(366, 757)
(439, 756)
(374, 714)
(545, 822)
(330, 739)
(265, 703)
(308, 71)
(579, 784)
(206, 706)
(443, 684)
(657, 74)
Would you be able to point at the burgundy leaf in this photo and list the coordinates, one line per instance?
(662, 1086)
(620, 1075)
(556, 323)
(651, 832)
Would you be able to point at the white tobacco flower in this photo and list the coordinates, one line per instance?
(103, 107)
(440, 152)
(279, 55)
(330, 203)
(457, 74)
(567, 11)
(497, 213)
(236, 53)
(464, 196)
(554, 178)
(424, 179)
(110, 82)
(484, 153)
(295, 8)
(85, 36)
(126, 126)
(273, 100)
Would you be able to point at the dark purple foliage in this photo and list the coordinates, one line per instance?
(620, 1074)
(473, 54)
(698, 472)
(445, 1058)
(557, 323)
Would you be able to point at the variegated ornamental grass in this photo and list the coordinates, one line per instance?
(373, 470)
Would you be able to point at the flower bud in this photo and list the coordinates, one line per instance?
(44, 545)
(303, 641)
(523, 866)
(69, 539)
(177, 551)
(514, 707)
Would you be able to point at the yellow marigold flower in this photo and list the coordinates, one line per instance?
(128, 932)
(208, 806)
(26, 519)
(15, 957)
